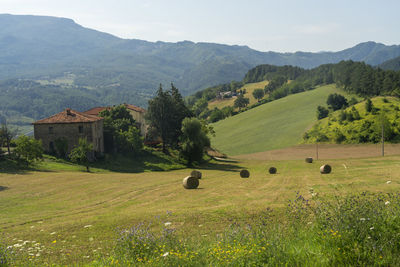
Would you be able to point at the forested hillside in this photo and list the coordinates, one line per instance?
(393, 64)
(51, 48)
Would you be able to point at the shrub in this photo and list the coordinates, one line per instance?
(28, 149)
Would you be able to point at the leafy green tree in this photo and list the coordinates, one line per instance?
(28, 149)
(258, 94)
(336, 101)
(61, 145)
(241, 102)
(165, 114)
(6, 135)
(129, 141)
(120, 132)
(194, 140)
(80, 154)
(368, 105)
(216, 115)
(322, 112)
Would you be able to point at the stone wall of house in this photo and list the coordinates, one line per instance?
(92, 131)
(139, 119)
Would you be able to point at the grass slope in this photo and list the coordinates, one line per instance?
(274, 125)
(76, 216)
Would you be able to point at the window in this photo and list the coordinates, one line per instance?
(80, 128)
(51, 130)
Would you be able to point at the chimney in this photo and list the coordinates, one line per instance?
(68, 110)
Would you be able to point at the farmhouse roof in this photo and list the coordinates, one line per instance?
(95, 111)
(69, 116)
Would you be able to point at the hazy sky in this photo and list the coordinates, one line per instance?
(281, 25)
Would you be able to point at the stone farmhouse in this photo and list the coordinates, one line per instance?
(71, 125)
(137, 113)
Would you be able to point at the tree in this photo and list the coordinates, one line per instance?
(241, 101)
(258, 94)
(61, 146)
(194, 139)
(336, 101)
(6, 135)
(368, 105)
(165, 114)
(120, 132)
(28, 149)
(81, 153)
(322, 112)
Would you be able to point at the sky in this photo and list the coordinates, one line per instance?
(280, 25)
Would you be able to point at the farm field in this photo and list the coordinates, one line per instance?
(76, 216)
(250, 87)
(283, 121)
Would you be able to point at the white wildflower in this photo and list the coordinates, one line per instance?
(387, 203)
(38, 254)
(362, 219)
(388, 182)
(372, 228)
(53, 233)
(32, 226)
(87, 226)
(165, 254)
(167, 223)
(200, 225)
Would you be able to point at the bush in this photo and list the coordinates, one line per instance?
(28, 149)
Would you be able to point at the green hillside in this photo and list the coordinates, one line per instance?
(274, 125)
(356, 125)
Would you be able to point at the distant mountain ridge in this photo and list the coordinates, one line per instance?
(38, 47)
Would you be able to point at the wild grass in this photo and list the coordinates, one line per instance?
(72, 217)
(278, 124)
(357, 230)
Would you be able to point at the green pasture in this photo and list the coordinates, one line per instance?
(278, 124)
(76, 217)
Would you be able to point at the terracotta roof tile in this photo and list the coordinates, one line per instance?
(69, 116)
(95, 111)
(135, 108)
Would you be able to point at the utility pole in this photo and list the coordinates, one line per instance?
(316, 147)
(383, 140)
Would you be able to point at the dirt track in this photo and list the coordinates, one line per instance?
(325, 151)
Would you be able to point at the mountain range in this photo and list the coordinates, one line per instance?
(78, 65)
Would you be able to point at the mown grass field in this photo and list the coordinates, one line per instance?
(76, 216)
(250, 87)
(278, 124)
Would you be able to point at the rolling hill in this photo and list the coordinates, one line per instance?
(48, 47)
(278, 124)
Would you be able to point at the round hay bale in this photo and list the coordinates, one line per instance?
(196, 174)
(325, 169)
(190, 182)
(272, 170)
(244, 174)
(309, 160)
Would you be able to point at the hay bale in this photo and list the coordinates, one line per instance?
(244, 174)
(325, 169)
(190, 182)
(196, 174)
(309, 160)
(272, 170)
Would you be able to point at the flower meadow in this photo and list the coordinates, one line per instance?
(358, 229)
(351, 230)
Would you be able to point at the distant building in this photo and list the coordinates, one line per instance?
(136, 112)
(71, 125)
